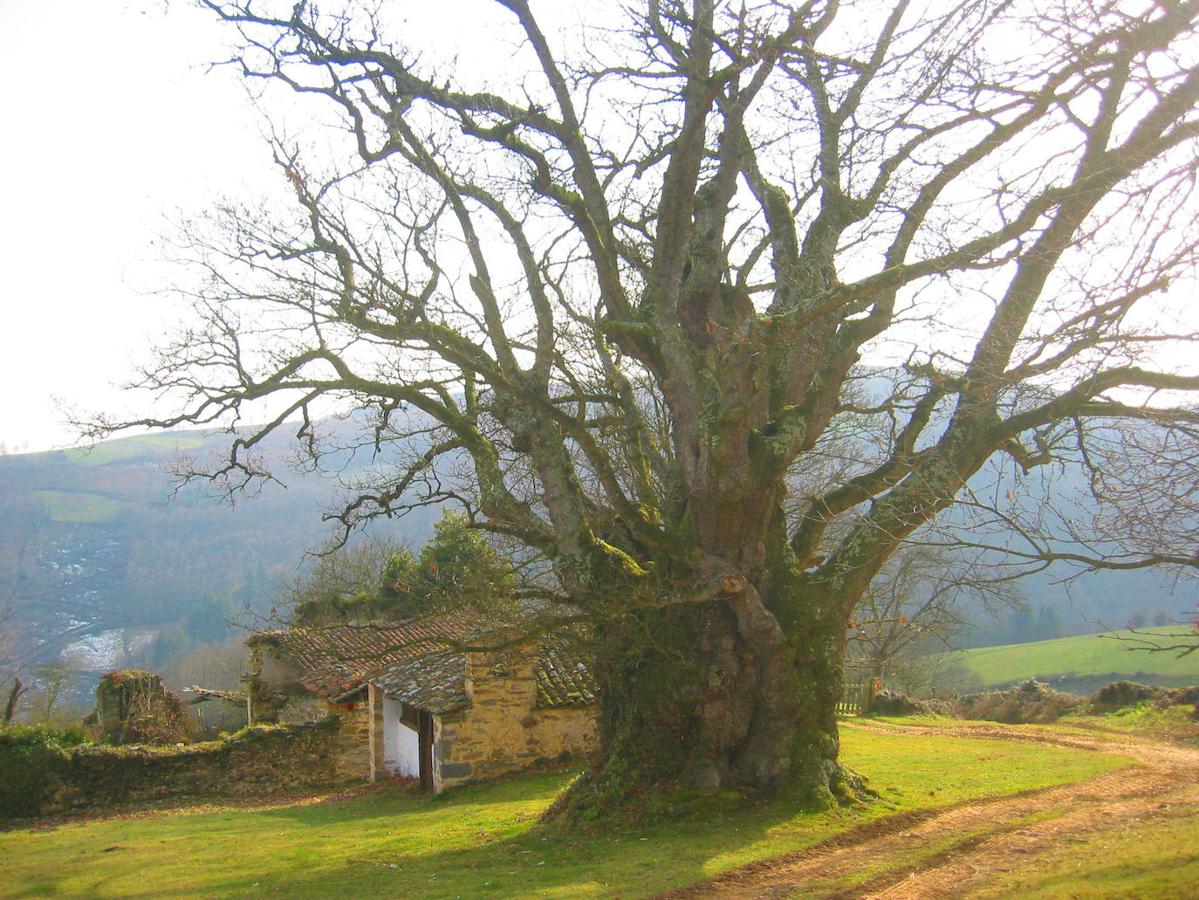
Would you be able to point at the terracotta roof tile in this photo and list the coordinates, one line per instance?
(336, 659)
(413, 662)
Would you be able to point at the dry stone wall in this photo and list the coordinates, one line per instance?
(258, 761)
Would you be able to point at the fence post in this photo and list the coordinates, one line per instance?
(872, 688)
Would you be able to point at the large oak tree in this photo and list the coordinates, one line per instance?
(619, 299)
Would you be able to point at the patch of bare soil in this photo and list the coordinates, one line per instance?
(955, 852)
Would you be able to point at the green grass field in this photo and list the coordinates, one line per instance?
(1167, 723)
(125, 448)
(79, 508)
(1084, 655)
(486, 841)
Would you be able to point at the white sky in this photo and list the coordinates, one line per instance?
(110, 126)
(109, 123)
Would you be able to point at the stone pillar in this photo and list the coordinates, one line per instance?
(374, 699)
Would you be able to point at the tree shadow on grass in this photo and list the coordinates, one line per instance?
(458, 849)
(485, 840)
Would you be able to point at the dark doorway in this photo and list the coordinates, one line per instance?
(426, 750)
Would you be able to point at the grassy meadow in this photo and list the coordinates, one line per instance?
(486, 840)
(79, 508)
(139, 445)
(1089, 654)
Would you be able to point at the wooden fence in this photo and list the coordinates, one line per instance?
(856, 697)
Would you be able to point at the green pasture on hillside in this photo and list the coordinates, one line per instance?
(79, 508)
(125, 448)
(1089, 654)
(486, 841)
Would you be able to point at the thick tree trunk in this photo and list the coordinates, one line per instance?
(694, 701)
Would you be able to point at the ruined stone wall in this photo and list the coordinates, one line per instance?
(258, 761)
(353, 742)
(273, 682)
(502, 730)
(133, 707)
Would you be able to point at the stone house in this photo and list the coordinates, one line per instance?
(422, 703)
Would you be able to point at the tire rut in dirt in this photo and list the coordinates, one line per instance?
(983, 836)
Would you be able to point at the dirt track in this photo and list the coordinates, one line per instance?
(980, 838)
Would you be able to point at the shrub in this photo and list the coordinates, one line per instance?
(1119, 694)
(1187, 695)
(895, 703)
(1031, 701)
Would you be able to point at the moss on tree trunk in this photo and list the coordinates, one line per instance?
(692, 705)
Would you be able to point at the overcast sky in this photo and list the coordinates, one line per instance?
(109, 123)
(112, 125)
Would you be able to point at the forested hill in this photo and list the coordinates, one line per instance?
(92, 543)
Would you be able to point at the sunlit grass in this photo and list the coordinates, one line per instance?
(486, 841)
(1089, 654)
(1143, 718)
(1125, 859)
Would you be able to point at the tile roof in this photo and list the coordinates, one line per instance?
(433, 681)
(415, 662)
(336, 659)
(563, 679)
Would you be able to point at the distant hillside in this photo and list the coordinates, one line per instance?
(1059, 601)
(92, 548)
(91, 544)
(1077, 659)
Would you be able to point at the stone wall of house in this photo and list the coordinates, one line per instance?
(502, 730)
(353, 744)
(565, 731)
(258, 761)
